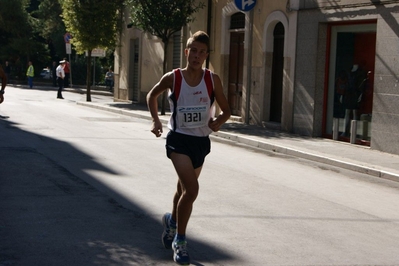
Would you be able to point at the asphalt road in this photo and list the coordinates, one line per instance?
(80, 186)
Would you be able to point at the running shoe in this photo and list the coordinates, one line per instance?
(168, 231)
(180, 255)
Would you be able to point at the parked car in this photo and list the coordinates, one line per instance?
(45, 73)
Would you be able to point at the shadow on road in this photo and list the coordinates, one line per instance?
(50, 216)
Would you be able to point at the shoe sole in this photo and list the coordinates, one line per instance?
(180, 263)
(174, 258)
(186, 263)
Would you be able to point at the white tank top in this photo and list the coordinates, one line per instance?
(191, 107)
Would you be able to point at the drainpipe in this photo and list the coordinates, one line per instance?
(209, 27)
(123, 28)
(249, 67)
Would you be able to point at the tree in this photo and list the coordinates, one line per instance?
(19, 36)
(14, 37)
(162, 18)
(92, 24)
(52, 27)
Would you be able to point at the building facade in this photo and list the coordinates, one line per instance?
(311, 67)
(358, 40)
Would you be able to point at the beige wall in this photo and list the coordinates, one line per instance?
(265, 17)
(304, 60)
(151, 54)
(151, 63)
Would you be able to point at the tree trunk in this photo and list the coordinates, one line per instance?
(88, 77)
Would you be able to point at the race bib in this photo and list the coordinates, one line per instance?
(193, 116)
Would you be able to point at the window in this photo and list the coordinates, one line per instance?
(237, 21)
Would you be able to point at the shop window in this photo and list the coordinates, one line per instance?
(351, 79)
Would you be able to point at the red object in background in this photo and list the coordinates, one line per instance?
(365, 45)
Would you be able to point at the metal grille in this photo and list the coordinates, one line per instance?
(237, 21)
(134, 70)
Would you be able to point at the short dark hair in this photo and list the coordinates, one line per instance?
(199, 36)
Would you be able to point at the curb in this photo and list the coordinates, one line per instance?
(92, 92)
(308, 156)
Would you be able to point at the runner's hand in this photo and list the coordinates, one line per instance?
(157, 128)
(214, 124)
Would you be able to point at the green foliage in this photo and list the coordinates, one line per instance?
(14, 37)
(18, 14)
(52, 28)
(49, 13)
(92, 23)
(34, 29)
(80, 71)
(162, 18)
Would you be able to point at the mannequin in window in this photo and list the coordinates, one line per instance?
(353, 95)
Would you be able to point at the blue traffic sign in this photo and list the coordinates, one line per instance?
(245, 5)
(67, 37)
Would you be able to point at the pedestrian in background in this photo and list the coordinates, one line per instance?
(192, 91)
(30, 73)
(67, 71)
(109, 79)
(54, 73)
(3, 77)
(60, 78)
(7, 70)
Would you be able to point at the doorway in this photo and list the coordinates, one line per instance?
(276, 95)
(351, 72)
(236, 67)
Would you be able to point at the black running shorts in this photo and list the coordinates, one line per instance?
(197, 148)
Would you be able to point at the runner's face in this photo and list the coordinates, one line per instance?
(196, 54)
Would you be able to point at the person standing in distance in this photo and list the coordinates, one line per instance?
(67, 71)
(60, 78)
(192, 94)
(109, 79)
(7, 70)
(30, 73)
(3, 77)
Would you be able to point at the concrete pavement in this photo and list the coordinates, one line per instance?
(341, 154)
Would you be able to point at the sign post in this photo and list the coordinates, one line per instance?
(68, 48)
(96, 52)
(248, 5)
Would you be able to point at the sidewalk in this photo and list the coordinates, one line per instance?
(348, 156)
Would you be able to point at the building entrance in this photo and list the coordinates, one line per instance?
(350, 85)
(276, 96)
(236, 67)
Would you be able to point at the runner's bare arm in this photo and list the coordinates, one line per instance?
(165, 83)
